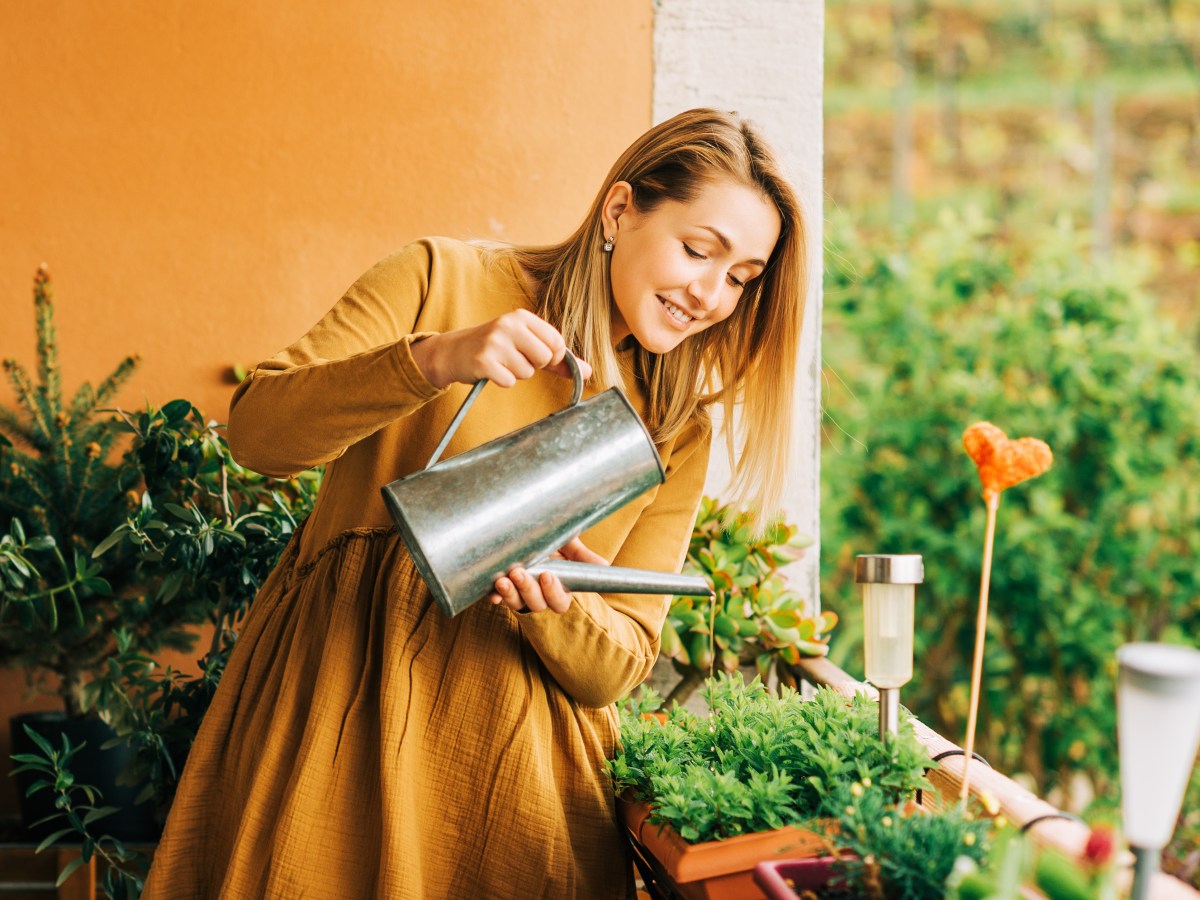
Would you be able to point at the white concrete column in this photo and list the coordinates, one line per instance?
(763, 59)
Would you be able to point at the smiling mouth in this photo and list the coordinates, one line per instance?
(675, 312)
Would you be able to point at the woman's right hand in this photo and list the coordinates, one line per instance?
(504, 351)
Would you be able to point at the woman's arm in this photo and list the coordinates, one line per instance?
(603, 646)
(350, 375)
(387, 348)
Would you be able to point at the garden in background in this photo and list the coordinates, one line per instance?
(1012, 217)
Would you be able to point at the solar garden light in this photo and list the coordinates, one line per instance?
(1158, 729)
(888, 587)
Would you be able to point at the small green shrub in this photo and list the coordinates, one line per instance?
(758, 761)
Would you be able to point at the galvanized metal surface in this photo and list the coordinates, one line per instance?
(576, 576)
(518, 498)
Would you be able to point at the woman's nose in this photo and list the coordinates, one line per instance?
(706, 289)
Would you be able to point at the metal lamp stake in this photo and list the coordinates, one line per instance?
(888, 590)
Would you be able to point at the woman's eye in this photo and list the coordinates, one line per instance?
(735, 282)
(694, 254)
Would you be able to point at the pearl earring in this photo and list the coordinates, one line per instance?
(608, 245)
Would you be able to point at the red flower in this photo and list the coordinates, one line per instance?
(1099, 847)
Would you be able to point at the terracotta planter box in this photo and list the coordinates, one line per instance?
(714, 870)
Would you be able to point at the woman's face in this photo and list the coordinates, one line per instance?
(682, 267)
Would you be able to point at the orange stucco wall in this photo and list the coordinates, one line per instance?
(204, 179)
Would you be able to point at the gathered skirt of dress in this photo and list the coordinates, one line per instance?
(362, 744)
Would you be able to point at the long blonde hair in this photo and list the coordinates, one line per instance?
(746, 361)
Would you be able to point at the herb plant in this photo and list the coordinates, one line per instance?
(758, 762)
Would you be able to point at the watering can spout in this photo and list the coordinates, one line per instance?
(518, 498)
(577, 576)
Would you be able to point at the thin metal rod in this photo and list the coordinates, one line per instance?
(576, 393)
(889, 713)
(456, 421)
(1145, 865)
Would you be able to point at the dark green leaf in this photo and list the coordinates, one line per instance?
(54, 838)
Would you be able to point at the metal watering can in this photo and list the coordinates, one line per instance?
(518, 498)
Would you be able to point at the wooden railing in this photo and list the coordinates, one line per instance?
(1047, 825)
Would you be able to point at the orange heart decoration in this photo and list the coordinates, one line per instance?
(1003, 462)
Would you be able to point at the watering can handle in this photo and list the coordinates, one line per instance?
(576, 393)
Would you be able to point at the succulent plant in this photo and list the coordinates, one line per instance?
(753, 617)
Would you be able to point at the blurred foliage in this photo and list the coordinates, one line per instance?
(1030, 112)
(1016, 862)
(1182, 857)
(1028, 109)
(753, 618)
(1004, 38)
(1020, 328)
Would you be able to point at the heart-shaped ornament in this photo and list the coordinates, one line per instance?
(1003, 462)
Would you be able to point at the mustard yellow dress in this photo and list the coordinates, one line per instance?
(362, 744)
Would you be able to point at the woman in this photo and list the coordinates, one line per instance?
(362, 744)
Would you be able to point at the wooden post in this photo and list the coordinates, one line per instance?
(902, 115)
(1102, 142)
(82, 883)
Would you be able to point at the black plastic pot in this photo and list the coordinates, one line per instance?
(93, 766)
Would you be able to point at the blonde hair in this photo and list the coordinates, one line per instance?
(746, 361)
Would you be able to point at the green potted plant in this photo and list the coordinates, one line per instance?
(57, 480)
(885, 851)
(205, 530)
(60, 486)
(110, 558)
(753, 618)
(704, 798)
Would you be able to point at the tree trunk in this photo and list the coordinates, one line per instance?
(69, 690)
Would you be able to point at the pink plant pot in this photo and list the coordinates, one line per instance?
(783, 879)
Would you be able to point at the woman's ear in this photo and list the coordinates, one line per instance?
(617, 202)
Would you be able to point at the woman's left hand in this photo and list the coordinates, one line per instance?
(521, 592)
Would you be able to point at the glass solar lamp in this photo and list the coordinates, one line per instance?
(889, 583)
(1158, 729)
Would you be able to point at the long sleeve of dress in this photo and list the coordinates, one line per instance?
(604, 646)
(350, 375)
